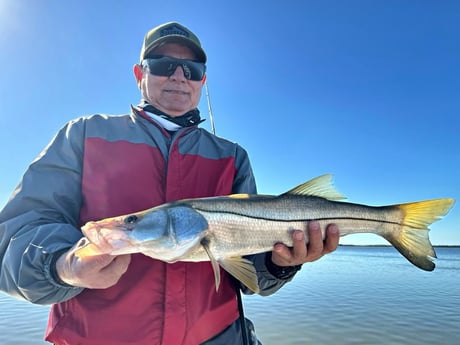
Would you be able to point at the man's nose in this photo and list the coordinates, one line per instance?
(178, 74)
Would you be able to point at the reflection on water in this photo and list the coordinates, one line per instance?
(357, 295)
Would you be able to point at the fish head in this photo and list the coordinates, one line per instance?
(166, 232)
(177, 231)
(125, 234)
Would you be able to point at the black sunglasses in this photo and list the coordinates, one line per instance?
(165, 66)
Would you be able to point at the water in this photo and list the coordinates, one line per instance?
(21, 323)
(361, 295)
(355, 296)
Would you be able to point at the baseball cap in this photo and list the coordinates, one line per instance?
(172, 32)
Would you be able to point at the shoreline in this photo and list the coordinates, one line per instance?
(389, 245)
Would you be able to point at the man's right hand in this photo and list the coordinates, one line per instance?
(93, 272)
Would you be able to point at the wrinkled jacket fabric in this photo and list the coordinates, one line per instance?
(102, 166)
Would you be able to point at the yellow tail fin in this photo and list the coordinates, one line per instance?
(413, 241)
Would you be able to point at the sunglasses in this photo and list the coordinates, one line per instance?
(165, 66)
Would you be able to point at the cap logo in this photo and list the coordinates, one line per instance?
(174, 30)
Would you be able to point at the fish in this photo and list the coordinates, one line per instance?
(226, 229)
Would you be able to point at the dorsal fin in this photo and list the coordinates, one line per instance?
(319, 186)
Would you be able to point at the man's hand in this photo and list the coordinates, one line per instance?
(300, 252)
(94, 272)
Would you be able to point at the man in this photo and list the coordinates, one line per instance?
(102, 166)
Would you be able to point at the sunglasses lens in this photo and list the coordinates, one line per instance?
(166, 66)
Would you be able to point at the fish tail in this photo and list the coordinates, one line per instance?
(412, 240)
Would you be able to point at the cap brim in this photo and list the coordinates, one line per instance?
(199, 52)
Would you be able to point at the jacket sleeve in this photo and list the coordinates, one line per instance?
(245, 183)
(41, 220)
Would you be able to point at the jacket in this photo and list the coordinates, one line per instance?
(101, 166)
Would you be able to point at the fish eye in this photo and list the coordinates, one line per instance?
(131, 219)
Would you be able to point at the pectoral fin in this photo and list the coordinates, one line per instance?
(214, 263)
(243, 270)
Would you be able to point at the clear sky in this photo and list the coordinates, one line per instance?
(366, 90)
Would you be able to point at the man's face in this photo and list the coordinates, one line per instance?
(174, 95)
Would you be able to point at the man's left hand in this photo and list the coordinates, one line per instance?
(301, 252)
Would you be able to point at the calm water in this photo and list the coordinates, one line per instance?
(357, 295)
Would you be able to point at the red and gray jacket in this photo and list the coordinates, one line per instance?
(102, 166)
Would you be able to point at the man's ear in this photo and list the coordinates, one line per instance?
(203, 80)
(137, 69)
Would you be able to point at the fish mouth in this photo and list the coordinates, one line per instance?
(108, 237)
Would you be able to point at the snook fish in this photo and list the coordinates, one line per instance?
(224, 229)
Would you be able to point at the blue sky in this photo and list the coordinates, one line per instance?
(365, 90)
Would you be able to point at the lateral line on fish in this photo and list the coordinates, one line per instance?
(293, 219)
